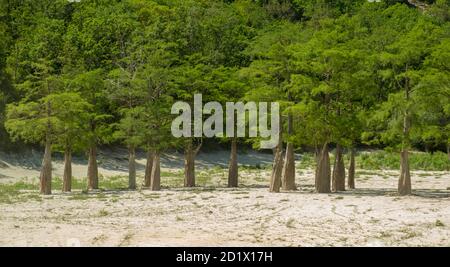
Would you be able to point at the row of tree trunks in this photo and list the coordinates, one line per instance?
(323, 172)
(152, 178)
(67, 178)
(338, 183)
(233, 165)
(132, 168)
(152, 171)
(351, 170)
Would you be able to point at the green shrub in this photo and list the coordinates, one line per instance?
(387, 160)
(390, 160)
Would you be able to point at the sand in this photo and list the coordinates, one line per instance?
(372, 215)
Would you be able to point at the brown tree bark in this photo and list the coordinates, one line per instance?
(131, 167)
(92, 168)
(338, 171)
(323, 173)
(67, 178)
(233, 166)
(351, 170)
(189, 166)
(404, 183)
(46, 171)
(277, 171)
(148, 169)
(156, 173)
(288, 174)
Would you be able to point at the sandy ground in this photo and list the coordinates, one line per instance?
(372, 215)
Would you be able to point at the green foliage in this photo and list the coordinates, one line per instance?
(63, 114)
(388, 160)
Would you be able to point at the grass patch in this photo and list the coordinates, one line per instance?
(126, 239)
(387, 160)
(437, 161)
(307, 161)
(79, 196)
(290, 223)
(385, 234)
(409, 233)
(103, 213)
(258, 166)
(187, 198)
(113, 182)
(19, 192)
(77, 183)
(152, 196)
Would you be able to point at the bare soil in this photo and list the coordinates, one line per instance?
(212, 215)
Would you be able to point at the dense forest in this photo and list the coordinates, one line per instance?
(77, 75)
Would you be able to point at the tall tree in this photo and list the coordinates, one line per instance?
(91, 85)
(402, 63)
(71, 113)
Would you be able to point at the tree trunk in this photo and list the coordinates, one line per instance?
(46, 171)
(338, 171)
(67, 179)
(156, 173)
(148, 169)
(351, 170)
(404, 182)
(277, 171)
(233, 166)
(189, 166)
(323, 173)
(132, 168)
(289, 169)
(92, 168)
